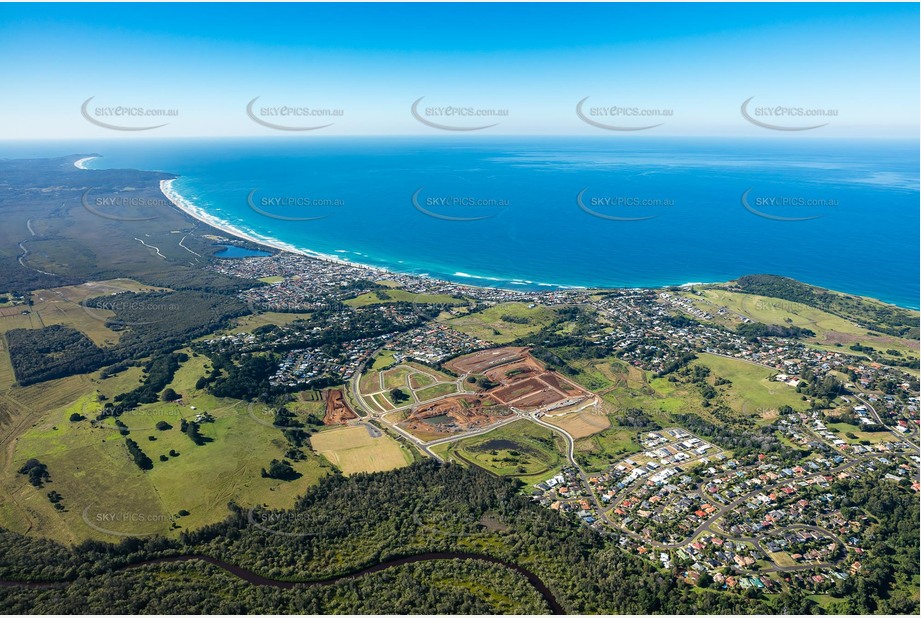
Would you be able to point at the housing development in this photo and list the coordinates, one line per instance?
(685, 499)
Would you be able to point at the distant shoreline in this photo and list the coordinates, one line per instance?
(186, 206)
(80, 164)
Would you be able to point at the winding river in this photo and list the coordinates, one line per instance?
(258, 580)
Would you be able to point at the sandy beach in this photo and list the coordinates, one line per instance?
(189, 208)
(80, 164)
(186, 206)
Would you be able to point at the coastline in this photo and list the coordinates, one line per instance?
(186, 206)
(80, 164)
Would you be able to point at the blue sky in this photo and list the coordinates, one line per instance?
(699, 61)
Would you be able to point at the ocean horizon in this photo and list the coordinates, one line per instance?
(545, 213)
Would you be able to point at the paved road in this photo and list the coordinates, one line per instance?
(707, 523)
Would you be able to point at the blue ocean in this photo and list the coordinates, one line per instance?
(538, 213)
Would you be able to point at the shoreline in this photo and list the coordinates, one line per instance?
(186, 206)
(80, 164)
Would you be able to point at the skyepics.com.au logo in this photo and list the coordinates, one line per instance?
(456, 117)
(125, 117)
(127, 420)
(124, 523)
(458, 206)
(123, 207)
(293, 207)
(621, 207)
(786, 117)
(784, 207)
(129, 309)
(773, 304)
(621, 117)
(293, 117)
(292, 524)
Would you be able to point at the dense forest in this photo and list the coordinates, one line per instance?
(52, 352)
(346, 524)
(151, 323)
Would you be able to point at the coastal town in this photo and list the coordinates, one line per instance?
(690, 502)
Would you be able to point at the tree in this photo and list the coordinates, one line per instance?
(170, 395)
(281, 470)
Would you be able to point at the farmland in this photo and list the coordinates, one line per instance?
(355, 449)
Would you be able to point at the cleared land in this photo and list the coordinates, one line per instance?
(580, 424)
(512, 378)
(402, 296)
(830, 329)
(752, 392)
(93, 470)
(602, 449)
(521, 449)
(338, 411)
(353, 450)
(62, 306)
(504, 322)
(450, 415)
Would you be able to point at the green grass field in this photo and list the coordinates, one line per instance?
(873, 437)
(62, 306)
(397, 377)
(751, 393)
(489, 325)
(247, 323)
(381, 360)
(829, 328)
(420, 380)
(436, 391)
(521, 449)
(599, 451)
(402, 296)
(92, 469)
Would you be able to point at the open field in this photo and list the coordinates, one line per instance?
(580, 424)
(420, 380)
(61, 305)
(93, 471)
(751, 391)
(602, 449)
(397, 377)
(353, 449)
(830, 329)
(489, 324)
(873, 437)
(781, 559)
(402, 296)
(521, 449)
(437, 390)
(7, 376)
(247, 323)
